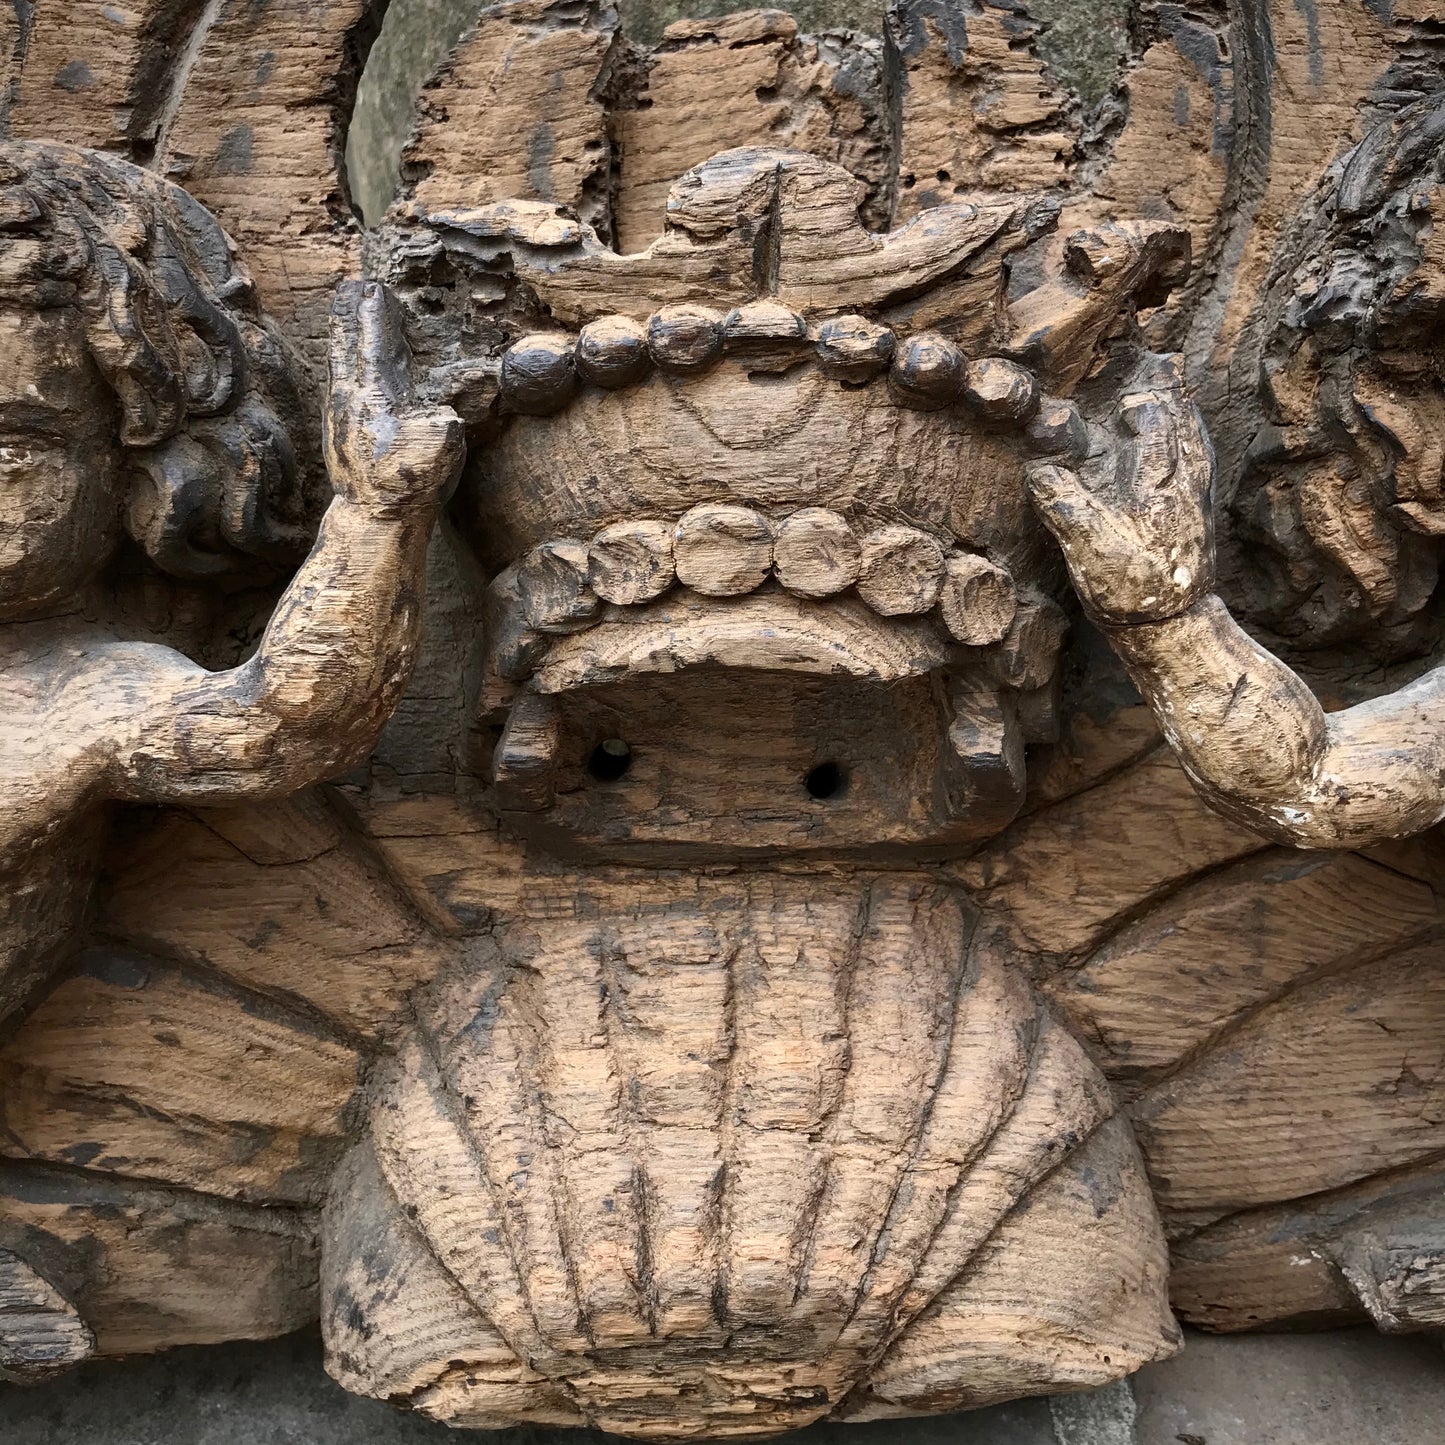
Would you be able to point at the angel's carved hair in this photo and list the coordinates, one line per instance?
(1339, 500)
(208, 394)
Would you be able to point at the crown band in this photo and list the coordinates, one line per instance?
(541, 372)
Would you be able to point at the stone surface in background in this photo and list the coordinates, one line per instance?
(1344, 1387)
(1349, 1387)
(276, 1393)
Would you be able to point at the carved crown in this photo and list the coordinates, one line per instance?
(774, 441)
(773, 400)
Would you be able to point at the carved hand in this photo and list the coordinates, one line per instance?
(1134, 522)
(384, 450)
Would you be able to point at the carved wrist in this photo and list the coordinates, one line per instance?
(1200, 642)
(1142, 626)
(393, 511)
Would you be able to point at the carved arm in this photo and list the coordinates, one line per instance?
(340, 647)
(1135, 527)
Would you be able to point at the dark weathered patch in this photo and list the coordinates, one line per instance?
(75, 76)
(235, 157)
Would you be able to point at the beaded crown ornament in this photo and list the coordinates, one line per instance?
(776, 440)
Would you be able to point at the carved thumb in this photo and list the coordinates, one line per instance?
(434, 444)
(1152, 455)
(1068, 508)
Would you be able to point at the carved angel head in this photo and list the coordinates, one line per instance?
(140, 384)
(1341, 499)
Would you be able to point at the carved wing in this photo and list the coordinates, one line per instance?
(1270, 1019)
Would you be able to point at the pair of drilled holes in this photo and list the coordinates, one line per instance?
(612, 757)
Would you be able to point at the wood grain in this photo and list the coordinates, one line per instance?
(807, 1231)
(833, 877)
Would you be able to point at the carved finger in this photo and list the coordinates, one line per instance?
(435, 446)
(1068, 508)
(345, 334)
(1151, 458)
(382, 359)
(1196, 452)
(345, 342)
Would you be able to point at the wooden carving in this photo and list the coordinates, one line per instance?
(750, 874)
(137, 398)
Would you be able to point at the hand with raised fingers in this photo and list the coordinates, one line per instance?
(384, 449)
(1134, 521)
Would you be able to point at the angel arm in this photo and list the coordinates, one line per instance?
(340, 647)
(1134, 524)
(1261, 749)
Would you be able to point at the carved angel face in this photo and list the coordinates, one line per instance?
(59, 459)
(141, 385)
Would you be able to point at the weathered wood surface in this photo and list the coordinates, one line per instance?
(1373, 1246)
(41, 1332)
(515, 112)
(91, 716)
(821, 1051)
(118, 1069)
(742, 80)
(766, 1123)
(708, 411)
(1215, 951)
(245, 105)
(1137, 531)
(137, 358)
(1375, 1109)
(1229, 124)
(280, 900)
(786, 1246)
(147, 1268)
(976, 109)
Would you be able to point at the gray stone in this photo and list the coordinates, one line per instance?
(416, 36)
(1096, 1417)
(1084, 42)
(276, 1393)
(273, 1393)
(1347, 1387)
